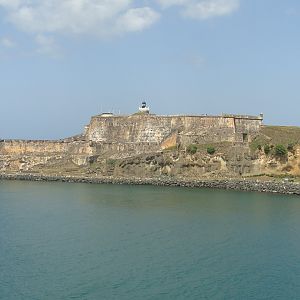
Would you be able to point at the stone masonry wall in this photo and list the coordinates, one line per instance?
(25, 147)
(125, 136)
(154, 129)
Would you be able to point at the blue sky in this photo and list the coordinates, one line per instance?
(62, 61)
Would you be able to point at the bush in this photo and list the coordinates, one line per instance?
(280, 150)
(211, 150)
(267, 149)
(111, 162)
(259, 147)
(290, 147)
(192, 149)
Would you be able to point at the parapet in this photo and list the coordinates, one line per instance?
(223, 115)
(154, 129)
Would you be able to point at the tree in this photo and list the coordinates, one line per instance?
(280, 150)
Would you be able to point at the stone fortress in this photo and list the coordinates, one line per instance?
(141, 144)
(226, 151)
(148, 145)
(148, 133)
(142, 132)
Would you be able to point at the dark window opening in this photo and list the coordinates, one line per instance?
(245, 137)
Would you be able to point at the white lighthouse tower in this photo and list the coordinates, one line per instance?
(144, 108)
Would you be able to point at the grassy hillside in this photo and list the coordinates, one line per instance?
(275, 135)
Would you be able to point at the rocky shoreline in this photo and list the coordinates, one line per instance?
(279, 187)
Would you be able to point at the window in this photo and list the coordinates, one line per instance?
(245, 138)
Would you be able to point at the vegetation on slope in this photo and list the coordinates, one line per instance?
(277, 135)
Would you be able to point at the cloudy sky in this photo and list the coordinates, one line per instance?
(62, 61)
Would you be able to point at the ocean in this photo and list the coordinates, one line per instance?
(89, 241)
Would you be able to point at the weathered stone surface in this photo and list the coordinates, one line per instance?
(163, 131)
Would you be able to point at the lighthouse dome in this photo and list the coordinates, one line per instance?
(144, 108)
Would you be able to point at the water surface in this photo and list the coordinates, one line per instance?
(81, 241)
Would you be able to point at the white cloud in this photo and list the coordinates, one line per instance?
(137, 19)
(10, 3)
(168, 3)
(7, 42)
(211, 8)
(45, 19)
(102, 17)
(47, 46)
(203, 9)
(92, 17)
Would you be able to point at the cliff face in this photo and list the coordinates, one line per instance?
(150, 146)
(228, 161)
(19, 155)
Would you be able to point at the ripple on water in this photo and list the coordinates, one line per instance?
(78, 241)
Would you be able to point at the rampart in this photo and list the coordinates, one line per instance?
(127, 146)
(42, 147)
(123, 136)
(169, 130)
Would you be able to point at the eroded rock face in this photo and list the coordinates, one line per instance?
(269, 164)
(83, 158)
(28, 155)
(164, 130)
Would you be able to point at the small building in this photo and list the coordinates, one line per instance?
(106, 114)
(144, 108)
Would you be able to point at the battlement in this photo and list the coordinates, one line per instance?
(246, 117)
(155, 129)
(140, 133)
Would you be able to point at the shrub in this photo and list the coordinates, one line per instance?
(259, 147)
(211, 150)
(290, 147)
(192, 149)
(267, 149)
(111, 162)
(280, 150)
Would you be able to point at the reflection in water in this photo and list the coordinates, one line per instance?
(64, 241)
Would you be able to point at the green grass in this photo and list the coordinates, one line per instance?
(111, 162)
(282, 134)
(276, 135)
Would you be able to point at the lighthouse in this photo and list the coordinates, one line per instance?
(144, 108)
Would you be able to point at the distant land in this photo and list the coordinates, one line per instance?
(148, 146)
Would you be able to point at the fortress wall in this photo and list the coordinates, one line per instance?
(117, 149)
(248, 127)
(202, 130)
(141, 133)
(23, 147)
(131, 129)
(155, 129)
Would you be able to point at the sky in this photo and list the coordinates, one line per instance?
(62, 61)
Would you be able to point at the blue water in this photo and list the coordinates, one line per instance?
(80, 241)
